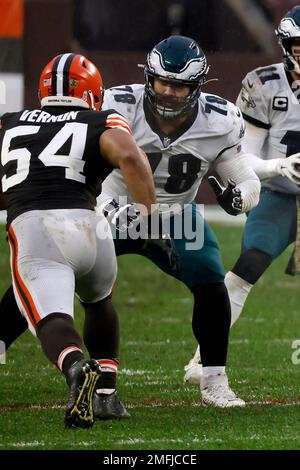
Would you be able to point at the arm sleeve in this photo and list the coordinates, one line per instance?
(252, 101)
(252, 145)
(232, 164)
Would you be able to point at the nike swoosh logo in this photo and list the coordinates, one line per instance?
(250, 85)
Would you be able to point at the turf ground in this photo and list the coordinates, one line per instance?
(155, 313)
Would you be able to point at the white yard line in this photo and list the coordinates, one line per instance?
(157, 404)
(203, 440)
(214, 213)
(137, 440)
(46, 444)
(199, 404)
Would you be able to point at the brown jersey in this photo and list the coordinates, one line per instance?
(50, 158)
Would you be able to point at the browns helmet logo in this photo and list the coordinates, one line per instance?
(74, 76)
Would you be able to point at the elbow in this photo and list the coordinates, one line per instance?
(129, 160)
(256, 194)
(135, 162)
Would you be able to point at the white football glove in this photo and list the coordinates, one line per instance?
(290, 167)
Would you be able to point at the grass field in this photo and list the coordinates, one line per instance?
(156, 343)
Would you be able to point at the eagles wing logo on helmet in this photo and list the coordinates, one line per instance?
(191, 70)
(287, 29)
(180, 60)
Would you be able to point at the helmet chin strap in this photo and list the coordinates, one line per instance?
(210, 80)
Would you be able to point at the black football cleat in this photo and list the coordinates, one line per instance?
(109, 406)
(82, 379)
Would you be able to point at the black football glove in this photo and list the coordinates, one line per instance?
(121, 217)
(166, 246)
(159, 240)
(229, 198)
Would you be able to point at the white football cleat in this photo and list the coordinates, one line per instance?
(219, 394)
(193, 373)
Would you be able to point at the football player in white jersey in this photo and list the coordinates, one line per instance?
(270, 102)
(185, 132)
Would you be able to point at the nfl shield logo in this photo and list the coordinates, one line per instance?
(167, 141)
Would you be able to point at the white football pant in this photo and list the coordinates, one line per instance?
(57, 252)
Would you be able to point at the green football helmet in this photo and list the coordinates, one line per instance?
(287, 31)
(180, 60)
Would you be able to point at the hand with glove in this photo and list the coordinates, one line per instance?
(290, 167)
(121, 217)
(158, 240)
(155, 238)
(229, 198)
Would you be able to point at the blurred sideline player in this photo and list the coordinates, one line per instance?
(53, 161)
(184, 132)
(270, 102)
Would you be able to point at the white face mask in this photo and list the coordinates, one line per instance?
(295, 57)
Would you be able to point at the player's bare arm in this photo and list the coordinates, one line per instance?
(120, 149)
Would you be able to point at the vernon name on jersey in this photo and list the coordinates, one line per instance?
(50, 158)
(38, 115)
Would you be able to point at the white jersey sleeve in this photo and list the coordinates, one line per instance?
(269, 100)
(236, 129)
(253, 102)
(123, 99)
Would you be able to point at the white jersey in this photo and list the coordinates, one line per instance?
(178, 161)
(268, 99)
